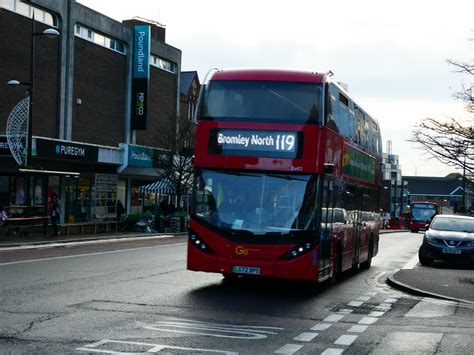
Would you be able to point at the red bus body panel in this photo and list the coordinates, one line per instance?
(266, 257)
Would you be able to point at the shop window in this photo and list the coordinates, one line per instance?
(4, 191)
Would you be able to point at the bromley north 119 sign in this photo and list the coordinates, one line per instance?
(277, 144)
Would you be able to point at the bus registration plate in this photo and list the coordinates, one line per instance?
(246, 270)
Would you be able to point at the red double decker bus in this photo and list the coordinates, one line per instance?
(287, 177)
(421, 214)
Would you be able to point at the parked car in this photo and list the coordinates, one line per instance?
(448, 238)
(395, 223)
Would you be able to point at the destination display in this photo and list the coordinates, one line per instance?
(278, 144)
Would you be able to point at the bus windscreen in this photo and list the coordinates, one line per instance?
(266, 101)
(270, 206)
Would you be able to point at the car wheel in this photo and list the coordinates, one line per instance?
(424, 260)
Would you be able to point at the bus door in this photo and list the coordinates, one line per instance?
(327, 216)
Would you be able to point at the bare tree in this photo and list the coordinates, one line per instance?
(466, 93)
(177, 161)
(451, 141)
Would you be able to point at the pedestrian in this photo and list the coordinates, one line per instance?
(55, 213)
(3, 216)
(120, 210)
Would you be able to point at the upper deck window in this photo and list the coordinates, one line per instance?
(267, 101)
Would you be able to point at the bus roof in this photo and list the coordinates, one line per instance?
(269, 74)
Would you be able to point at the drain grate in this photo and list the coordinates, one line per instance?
(364, 308)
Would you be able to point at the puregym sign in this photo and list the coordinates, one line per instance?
(59, 150)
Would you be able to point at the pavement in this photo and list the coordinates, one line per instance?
(444, 281)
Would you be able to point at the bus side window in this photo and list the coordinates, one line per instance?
(331, 108)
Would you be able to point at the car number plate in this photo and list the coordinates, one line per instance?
(451, 251)
(246, 270)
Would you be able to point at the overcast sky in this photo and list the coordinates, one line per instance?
(391, 54)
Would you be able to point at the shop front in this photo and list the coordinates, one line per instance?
(141, 166)
(83, 176)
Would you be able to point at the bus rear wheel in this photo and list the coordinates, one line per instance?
(337, 266)
(366, 264)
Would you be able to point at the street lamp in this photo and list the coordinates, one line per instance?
(49, 33)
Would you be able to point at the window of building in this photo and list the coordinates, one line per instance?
(99, 39)
(163, 64)
(24, 9)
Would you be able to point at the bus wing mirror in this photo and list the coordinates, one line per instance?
(328, 168)
(197, 108)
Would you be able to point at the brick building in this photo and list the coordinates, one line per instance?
(84, 145)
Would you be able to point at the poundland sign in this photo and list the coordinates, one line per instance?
(66, 151)
(141, 76)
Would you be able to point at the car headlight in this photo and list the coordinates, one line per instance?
(471, 244)
(430, 239)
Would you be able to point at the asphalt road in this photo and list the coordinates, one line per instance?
(137, 296)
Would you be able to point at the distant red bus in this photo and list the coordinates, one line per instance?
(287, 178)
(421, 214)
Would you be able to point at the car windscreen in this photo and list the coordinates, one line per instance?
(453, 224)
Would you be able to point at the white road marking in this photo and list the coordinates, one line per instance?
(391, 300)
(84, 242)
(371, 293)
(321, 326)
(88, 254)
(151, 348)
(289, 349)
(219, 330)
(358, 328)
(346, 340)
(306, 336)
(368, 320)
(363, 298)
(411, 264)
(376, 314)
(355, 303)
(332, 351)
(333, 318)
(345, 311)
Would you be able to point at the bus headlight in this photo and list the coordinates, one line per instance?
(195, 241)
(298, 250)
